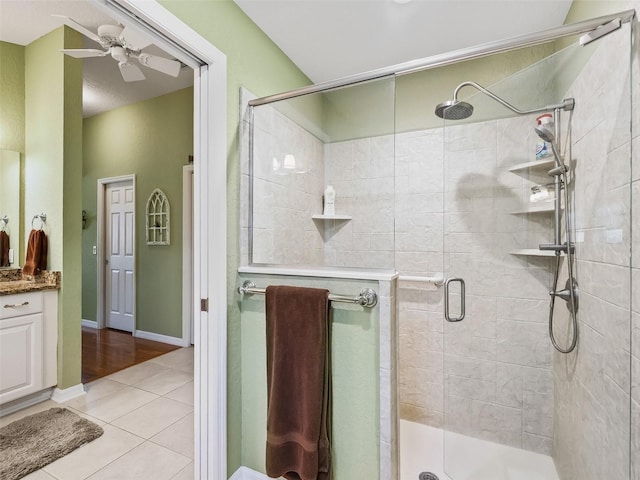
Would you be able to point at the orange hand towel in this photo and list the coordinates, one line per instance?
(36, 258)
(4, 249)
(298, 383)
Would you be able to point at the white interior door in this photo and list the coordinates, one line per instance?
(119, 281)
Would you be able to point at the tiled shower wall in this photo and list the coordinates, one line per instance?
(362, 173)
(592, 384)
(283, 230)
(496, 362)
(497, 368)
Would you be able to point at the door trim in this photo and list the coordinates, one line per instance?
(210, 223)
(101, 246)
(187, 254)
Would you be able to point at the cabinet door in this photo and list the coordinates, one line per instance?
(20, 356)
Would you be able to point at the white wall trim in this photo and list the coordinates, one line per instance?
(63, 395)
(89, 323)
(158, 337)
(245, 473)
(100, 242)
(187, 253)
(210, 225)
(24, 402)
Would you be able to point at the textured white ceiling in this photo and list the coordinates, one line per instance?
(23, 21)
(330, 39)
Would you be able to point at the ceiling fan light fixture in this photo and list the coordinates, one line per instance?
(119, 54)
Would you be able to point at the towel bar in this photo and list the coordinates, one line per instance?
(367, 297)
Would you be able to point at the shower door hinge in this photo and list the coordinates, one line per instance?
(204, 304)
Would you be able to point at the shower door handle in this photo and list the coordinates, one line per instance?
(447, 314)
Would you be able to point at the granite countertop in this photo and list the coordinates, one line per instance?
(12, 282)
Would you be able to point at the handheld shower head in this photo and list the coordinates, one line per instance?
(454, 110)
(545, 133)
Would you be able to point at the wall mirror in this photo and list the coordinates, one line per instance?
(10, 197)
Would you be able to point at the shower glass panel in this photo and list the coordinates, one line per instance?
(341, 138)
(514, 407)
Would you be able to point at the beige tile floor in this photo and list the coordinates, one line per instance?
(146, 412)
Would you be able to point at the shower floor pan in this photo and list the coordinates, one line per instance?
(422, 450)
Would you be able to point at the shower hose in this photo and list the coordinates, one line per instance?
(570, 264)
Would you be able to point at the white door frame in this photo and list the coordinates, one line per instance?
(101, 321)
(187, 253)
(210, 221)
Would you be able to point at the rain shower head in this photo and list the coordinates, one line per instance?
(454, 110)
(457, 110)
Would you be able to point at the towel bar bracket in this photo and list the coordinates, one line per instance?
(367, 298)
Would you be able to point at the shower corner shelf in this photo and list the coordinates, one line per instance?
(331, 217)
(536, 208)
(534, 166)
(534, 252)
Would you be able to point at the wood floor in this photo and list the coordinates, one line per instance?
(107, 351)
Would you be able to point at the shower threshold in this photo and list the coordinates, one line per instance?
(468, 458)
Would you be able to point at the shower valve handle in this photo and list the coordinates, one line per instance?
(556, 248)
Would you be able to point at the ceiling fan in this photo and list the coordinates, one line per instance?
(123, 44)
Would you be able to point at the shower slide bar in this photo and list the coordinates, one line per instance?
(367, 298)
(456, 56)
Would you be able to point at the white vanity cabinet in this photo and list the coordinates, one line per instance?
(28, 342)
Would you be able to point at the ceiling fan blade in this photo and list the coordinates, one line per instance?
(134, 39)
(84, 52)
(161, 64)
(131, 72)
(70, 22)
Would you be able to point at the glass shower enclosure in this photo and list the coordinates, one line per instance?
(459, 210)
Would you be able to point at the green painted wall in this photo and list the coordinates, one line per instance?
(53, 162)
(253, 62)
(355, 377)
(586, 9)
(12, 97)
(153, 140)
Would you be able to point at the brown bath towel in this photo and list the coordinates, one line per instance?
(4, 249)
(298, 383)
(36, 258)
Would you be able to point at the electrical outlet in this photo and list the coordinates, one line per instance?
(95, 250)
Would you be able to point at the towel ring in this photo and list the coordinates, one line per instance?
(43, 220)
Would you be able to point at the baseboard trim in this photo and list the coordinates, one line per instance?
(245, 473)
(89, 323)
(157, 337)
(63, 395)
(25, 402)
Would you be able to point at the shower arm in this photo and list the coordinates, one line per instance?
(567, 104)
